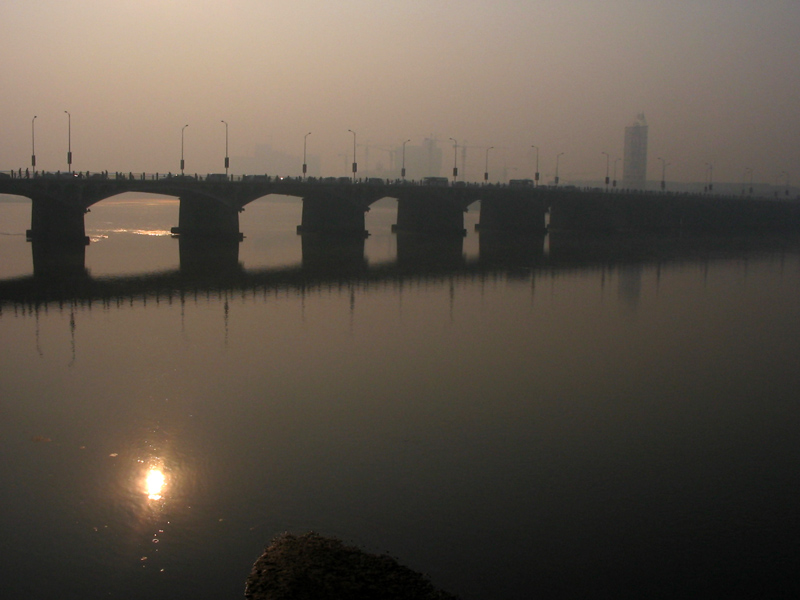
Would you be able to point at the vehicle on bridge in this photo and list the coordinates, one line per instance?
(520, 183)
(437, 181)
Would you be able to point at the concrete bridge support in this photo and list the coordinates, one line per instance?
(55, 220)
(430, 215)
(333, 215)
(205, 217)
(518, 214)
(59, 260)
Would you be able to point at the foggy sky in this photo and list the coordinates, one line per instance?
(716, 79)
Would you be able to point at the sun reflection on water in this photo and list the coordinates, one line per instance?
(155, 482)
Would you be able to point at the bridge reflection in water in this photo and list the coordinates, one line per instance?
(213, 266)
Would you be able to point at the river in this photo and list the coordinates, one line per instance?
(553, 418)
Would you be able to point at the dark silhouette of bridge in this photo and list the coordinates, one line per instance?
(210, 206)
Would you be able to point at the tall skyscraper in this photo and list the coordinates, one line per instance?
(634, 161)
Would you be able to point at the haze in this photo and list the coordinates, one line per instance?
(716, 79)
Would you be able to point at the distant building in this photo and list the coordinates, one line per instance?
(422, 161)
(266, 160)
(634, 163)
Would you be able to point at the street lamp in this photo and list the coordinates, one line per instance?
(614, 181)
(355, 163)
(607, 159)
(710, 177)
(455, 156)
(536, 173)
(182, 162)
(305, 166)
(557, 156)
(486, 171)
(227, 161)
(663, 174)
(69, 141)
(33, 145)
(403, 168)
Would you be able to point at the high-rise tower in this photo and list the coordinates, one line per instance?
(634, 162)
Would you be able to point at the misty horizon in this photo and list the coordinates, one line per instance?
(715, 81)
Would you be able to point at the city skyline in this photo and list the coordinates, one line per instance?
(715, 81)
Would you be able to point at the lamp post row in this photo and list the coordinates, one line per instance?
(709, 186)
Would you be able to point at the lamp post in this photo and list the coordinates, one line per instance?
(403, 168)
(355, 163)
(305, 166)
(227, 161)
(710, 187)
(607, 159)
(182, 161)
(663, 174)
(69, 141)
(455, 157)
(486, 171)
(33, 145)
(536, 173)
(614, 181)
(557, 157)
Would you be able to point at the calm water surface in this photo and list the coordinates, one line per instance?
(548, 418)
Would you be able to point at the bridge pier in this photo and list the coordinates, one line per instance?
(54, 220)
(205, 217)
(424, 213)
(517, 214)
(333, 215)
(59, 260)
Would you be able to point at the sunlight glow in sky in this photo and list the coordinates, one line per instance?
(716, 79)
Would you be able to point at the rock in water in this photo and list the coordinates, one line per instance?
(313, 567)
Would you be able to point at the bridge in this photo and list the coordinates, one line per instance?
(210, 206)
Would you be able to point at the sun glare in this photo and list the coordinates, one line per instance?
(154, 484)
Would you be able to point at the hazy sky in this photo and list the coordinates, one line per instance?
(718, 81)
